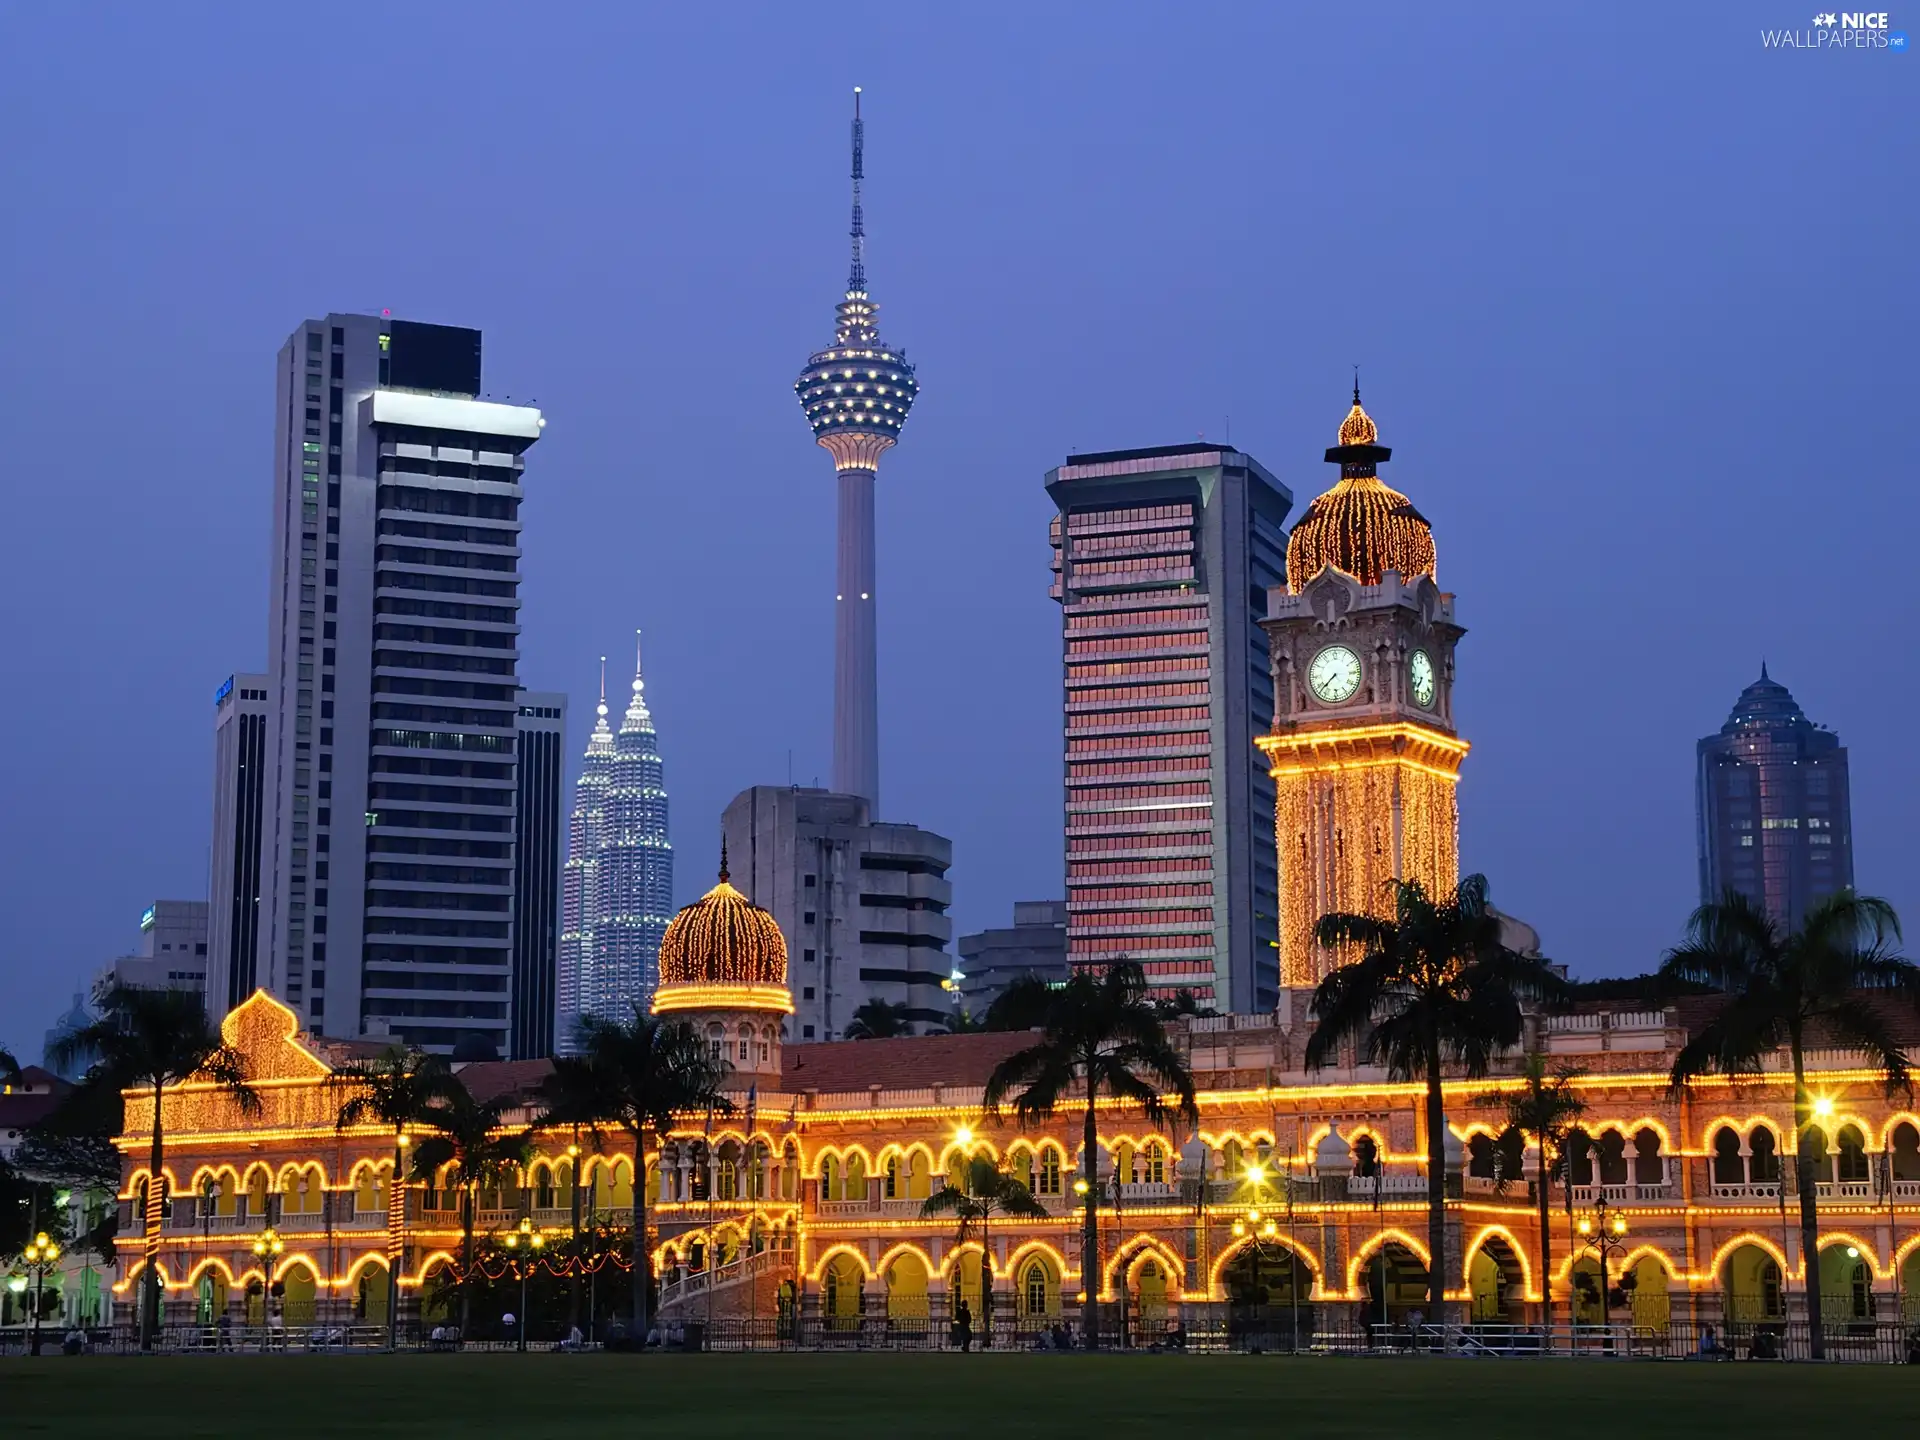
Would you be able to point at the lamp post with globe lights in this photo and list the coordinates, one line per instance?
(526, 1243)
(40, 1255)
(1602, 1233)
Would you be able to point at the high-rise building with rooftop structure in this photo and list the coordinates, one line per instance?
(1774, 806)
(240, 714)
(393, 680)
(1162, 561)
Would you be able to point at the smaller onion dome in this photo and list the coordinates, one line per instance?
(723, 952)
(1362, 526)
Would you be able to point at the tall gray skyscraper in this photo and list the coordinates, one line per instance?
(393, 683)
(862, 904)
(1774, 807)
(1162, 560)
(540, 771)
(856, 394)
(233, 878)
(617, 891)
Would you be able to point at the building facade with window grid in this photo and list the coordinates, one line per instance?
(1161, 559)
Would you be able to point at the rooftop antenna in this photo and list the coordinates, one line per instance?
(857, 277)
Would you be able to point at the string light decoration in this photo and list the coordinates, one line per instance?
(1355, 808)
(1362, 525)
(723, 952)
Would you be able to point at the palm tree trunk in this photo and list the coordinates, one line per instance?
(150, 1231)
(396, 1217)
(1436, 1192)
(1807, 1184)
(1090, 1229)
(986, 1276)
(642, 1257)
(1546, 1244)
(466, 1256)
(573, 1276)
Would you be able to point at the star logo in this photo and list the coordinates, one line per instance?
(1826, 17)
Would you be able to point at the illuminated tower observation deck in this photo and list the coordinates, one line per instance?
(856, 394)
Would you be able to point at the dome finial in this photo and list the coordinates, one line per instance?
(1356, 386)
(1763, 668)
(723, 858)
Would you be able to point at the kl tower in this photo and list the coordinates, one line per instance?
(856, 394)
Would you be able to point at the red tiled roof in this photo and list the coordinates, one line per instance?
(489, 1079)
(913, 1063)
(33, 1099)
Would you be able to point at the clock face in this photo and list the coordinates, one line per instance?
(1420, 672)
(1334, 674)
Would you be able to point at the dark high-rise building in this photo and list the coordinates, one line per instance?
(393, 685)
(1162, 562)
(233, 879)
(540, 772)
(1775, 820)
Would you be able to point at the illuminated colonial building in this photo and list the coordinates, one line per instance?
(1296, 1206)
(1363, 753)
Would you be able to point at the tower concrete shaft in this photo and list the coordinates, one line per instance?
(856, 682)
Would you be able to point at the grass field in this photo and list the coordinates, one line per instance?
(514, 1397)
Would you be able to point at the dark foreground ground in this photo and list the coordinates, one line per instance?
(791, 1397)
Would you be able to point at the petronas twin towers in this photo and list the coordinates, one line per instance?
(616, 889)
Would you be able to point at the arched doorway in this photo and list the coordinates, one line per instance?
(1036, 1290)
(1152, 1311)
(1497, 1283)
(907, 1293)
(1396, 1286)
(963, 1285)
(1269, 1290)
(1589, 1304)
(1846, 1287)
(1647, 1296)
(210, 1297)
(294, 1296)
(840, 1288)
(370, 1296)
(1751, 1290)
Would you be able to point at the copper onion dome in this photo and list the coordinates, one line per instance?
(1362, 525)
(723, 948)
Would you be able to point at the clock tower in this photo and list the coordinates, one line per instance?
(1363, 753)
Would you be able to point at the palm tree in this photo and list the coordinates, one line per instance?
(1185, 1005)
(986, 1190)
(469, 1138)
(150, 1039)
(1099, 1035)
(577, 1094)
(396, 1091)
(1785, 988)
(653, 1070)
(1432, 985)
(879, 1020)
(9, 1067)
(1547, 1111)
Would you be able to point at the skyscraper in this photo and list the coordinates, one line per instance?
(1774, 806)
(1363, 754)
(856, 394)
(233, 879)
(393, 684)
(539, 772)
(617, 892)
(1162, 561)
(862, 903)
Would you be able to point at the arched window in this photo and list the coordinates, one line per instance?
(1230, 1160)
(1613, 1158)
(1819, 1154)
(727, 1177)
(1906, 1151)
(890, 1182)
(1155, 1156)
(1480, 1157)
(1853, 1154)
(1123, 1167)
(1022, 1166)
(1648, 1167)
(543, 1193)
(1764, 1167)
(1510, 1155)
(1366, 1157)
(830, 1172)
(717, 1041)
(1729, 1165)
(1580, 1157)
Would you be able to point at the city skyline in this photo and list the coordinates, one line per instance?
(1614, 458)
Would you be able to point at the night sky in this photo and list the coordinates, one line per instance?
(1632, 299)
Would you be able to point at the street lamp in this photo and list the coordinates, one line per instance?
(533, 1241)
(1602, 1233)
(266, 1246)
(40, 1255)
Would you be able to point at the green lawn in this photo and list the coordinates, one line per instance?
(514, 1397)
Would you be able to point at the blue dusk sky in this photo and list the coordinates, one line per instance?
(1632, 296)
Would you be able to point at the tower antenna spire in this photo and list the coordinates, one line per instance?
(1356, 384)
(857, 277)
